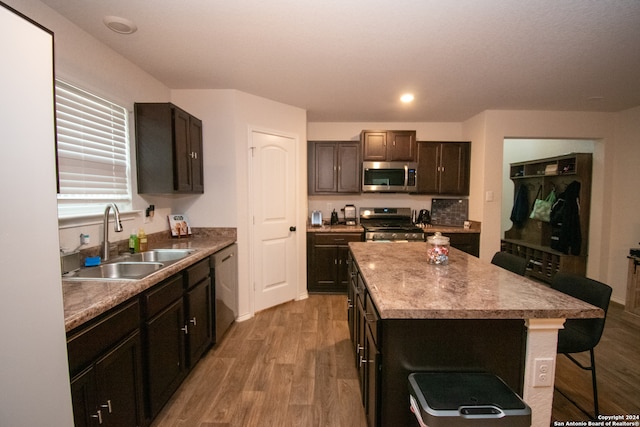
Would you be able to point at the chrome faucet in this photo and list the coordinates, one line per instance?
(117, 226)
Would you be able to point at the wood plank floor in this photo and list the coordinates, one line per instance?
(293, 365)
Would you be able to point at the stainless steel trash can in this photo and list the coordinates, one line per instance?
(464, 399)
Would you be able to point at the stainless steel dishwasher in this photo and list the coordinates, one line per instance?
(225, 264)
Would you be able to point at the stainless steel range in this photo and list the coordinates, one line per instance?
(389, 224)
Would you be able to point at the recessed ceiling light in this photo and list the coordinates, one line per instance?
(120, 25)
(407, 97)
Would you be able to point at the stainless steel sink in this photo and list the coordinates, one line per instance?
(159, 255)
(117, 270)
(131, 266)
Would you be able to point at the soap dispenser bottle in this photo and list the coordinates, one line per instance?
(133, 242)
(142, 238)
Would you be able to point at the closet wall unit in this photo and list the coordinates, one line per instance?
(532, 240)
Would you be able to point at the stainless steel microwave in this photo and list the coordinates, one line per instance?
(389, 177)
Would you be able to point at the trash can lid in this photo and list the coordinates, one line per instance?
(451, 390)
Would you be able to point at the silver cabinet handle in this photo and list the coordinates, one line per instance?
(185, 329)
(107, 406)
(98, 415)
(193, 321)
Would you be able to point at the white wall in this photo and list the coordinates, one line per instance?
(624, 232)
(229, 115)
(34, 375)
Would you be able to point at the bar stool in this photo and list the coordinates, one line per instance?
(580, 335)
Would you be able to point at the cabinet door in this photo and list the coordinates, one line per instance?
(374, 146)
(401, 146)
(83, 396)
(324, 268)
(324, 166)
(371, 356)
(165, 355)
(119, 384)
(349, 168)
(199, 320)
(428, 162)
(181, 151)
(343, 267)
(454, 168)
(195, 146)
(360, 339)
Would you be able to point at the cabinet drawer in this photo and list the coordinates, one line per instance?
(162, 295)
(197, 272)
(336, 238)
(371, 317)
(87, 344)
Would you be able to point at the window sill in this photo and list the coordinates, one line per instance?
(73, 221)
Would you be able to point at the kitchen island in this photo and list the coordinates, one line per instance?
(410, 316)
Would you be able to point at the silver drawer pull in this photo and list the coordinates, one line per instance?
(108, 406)
(193, 321)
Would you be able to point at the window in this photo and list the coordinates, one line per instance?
(93, 152)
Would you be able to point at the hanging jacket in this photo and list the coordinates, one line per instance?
(567, 235)
(520, 210)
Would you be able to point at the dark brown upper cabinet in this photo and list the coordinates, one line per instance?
(389, 145)
(334, 167)
(443, 168)
(168, 149)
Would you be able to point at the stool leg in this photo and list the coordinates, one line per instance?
(595, 383)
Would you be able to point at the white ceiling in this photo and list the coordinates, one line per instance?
(350, 60)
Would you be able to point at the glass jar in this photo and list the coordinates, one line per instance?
(438, 249)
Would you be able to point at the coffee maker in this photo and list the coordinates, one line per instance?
(350, 215)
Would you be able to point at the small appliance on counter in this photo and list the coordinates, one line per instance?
(350, 215)
(334, 217)
(316, 218)
(424, 217)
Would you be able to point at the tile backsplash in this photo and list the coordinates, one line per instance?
(449, 211)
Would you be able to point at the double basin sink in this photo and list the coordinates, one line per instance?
(131, 266)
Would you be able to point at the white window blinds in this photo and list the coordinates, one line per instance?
(93, 152)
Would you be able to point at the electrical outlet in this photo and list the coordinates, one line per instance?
(543, 372)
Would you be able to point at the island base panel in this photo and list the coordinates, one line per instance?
(457, 345)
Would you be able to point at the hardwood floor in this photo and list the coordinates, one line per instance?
(293, 365)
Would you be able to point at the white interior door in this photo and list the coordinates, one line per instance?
(273, 196)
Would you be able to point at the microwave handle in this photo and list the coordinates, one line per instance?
(406, 176)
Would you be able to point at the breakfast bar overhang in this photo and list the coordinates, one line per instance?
(469, 315)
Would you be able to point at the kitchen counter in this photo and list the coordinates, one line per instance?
(85, 300)
(403, 285)
(338, 228)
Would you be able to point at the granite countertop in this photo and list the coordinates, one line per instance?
(430, 229)
(86, 299)
(403, 285)
(338, 228)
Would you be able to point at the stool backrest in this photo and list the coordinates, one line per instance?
(590, 291)
(510, 262)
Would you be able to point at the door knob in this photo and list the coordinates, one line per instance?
(292, 228)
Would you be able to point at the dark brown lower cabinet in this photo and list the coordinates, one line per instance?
(466, 242)
(166, 365)
(109, 391)
(327, 261)
(200, 332)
